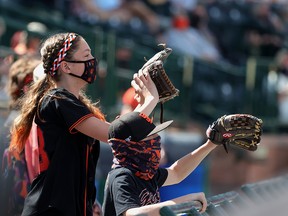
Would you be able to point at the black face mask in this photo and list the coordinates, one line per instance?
(90, 71)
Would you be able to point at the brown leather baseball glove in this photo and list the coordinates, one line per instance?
(240, 130)
(165, 87)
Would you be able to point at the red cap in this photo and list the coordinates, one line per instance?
(128, 98)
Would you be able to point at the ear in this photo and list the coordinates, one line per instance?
(64, 66)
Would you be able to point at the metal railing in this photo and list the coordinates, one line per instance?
(250, 197)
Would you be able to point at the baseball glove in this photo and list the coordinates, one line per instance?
(165, 87)
(240, 130)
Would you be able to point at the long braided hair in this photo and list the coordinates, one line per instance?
(51, 49)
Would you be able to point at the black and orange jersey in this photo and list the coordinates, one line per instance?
(67, 159)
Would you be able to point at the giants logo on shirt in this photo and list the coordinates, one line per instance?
(148, 197)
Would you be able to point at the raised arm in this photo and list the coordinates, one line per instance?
(180, 169)
(146, 92)
(146, 95)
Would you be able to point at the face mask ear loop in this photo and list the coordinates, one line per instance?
(95, 63)
(74, 75)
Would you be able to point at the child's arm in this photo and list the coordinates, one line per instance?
(153, 209)
(180, 169)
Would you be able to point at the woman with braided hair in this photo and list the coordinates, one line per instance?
(69, 127)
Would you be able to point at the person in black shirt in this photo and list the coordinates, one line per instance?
(69, 127)
(132, 186)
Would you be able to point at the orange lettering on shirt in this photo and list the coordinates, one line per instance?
(145, 117)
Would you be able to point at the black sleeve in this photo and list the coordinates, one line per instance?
(125, 193)
(71, 110)
(161, 176)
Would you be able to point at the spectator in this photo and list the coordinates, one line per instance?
(187, 5)
(265, 34)
(15, 182)
(28, 42)
(132, 186)
(19, 80)
(161, 7)
(184, 38)
(69, 127)
(7, 57)
(117, 12)
(199, 20)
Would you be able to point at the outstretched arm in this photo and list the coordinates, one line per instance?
(153, 209)
(180, 169)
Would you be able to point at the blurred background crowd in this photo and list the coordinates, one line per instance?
(229, 56)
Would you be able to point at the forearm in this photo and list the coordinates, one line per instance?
(149, 210)
(148, 106)
(146, 92)
(153, 209)
(179, 170)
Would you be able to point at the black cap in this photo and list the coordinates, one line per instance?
(135, 126)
